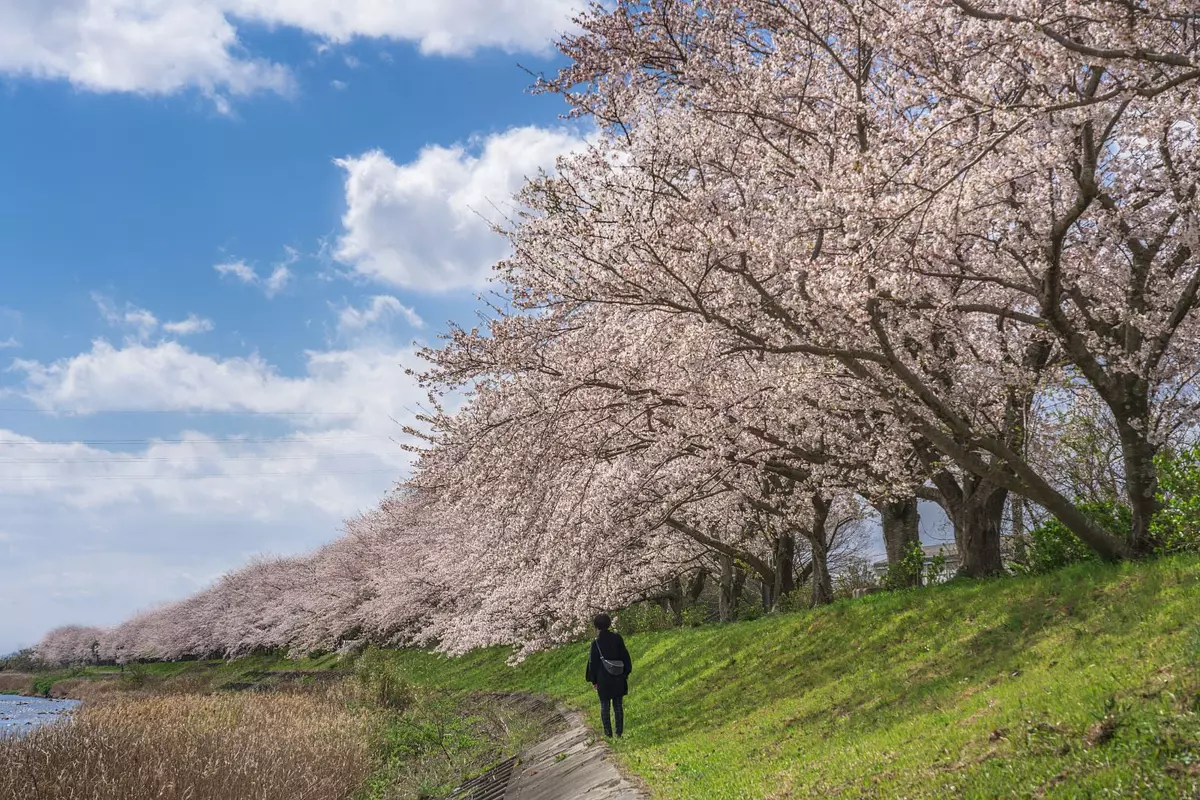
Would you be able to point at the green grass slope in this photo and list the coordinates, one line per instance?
(1084, 683)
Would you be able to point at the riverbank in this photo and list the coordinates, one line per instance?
(21, 714)
(254, 731)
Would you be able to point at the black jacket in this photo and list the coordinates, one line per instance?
(613, 647)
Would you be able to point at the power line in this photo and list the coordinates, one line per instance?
(212, 440)
(189, 412)
(69, 478)
(181, 459)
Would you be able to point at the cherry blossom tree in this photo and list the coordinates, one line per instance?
(947, 201)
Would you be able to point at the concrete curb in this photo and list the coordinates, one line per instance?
(570, 765)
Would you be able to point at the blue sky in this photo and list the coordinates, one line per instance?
(224, 223)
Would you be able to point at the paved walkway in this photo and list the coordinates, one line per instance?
(569, 766)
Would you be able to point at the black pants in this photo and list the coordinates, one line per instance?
(618, 708)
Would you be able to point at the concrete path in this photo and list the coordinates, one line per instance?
(568, 766)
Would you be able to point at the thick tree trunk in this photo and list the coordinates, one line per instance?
(901, 521)
(696, 587)
(976, 509)
(822, 582)
(818, 539)
(977, 532)
(1141, 485)
(785, 557)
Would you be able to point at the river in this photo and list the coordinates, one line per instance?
(21, 714)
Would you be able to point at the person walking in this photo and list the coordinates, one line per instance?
(608, 671)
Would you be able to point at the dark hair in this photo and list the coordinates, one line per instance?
(602, 622)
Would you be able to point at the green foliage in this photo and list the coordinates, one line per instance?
(20, 661)
(908, 571)
(858, 577)
(1176, 528)
(445, 737)
(749, 610)
(938, 569)
(381, 680)
(644, 617)
(1079, 683)
(134, 675)
(795, 600)
(694, 616)
(1052, 546)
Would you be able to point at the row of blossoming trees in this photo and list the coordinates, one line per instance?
(823, 258)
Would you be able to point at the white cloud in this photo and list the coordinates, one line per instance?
(189, 327)
(341, 86)
(145, 46)
(139, 321)
(168, 514)
(337, 385)
(163, 46)
(143, 324)
(9, 343)
(380, 309)
(280, 277)
(239, 270)
(271, 285)
(428, 224)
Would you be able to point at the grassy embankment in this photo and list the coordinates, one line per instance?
(310, 730)
(1083, 683)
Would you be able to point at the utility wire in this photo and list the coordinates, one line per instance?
(213, 440)
(69, 478)
(192, 412)
(182, 459)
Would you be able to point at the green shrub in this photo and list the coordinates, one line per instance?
(748, 610)
(1052, 546)
(381, 681)
(908, 571)
(645, 617)
(1176, 528)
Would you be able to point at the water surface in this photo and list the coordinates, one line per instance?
(21, 714)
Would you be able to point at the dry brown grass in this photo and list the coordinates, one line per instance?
(11, 682)
(195, 747)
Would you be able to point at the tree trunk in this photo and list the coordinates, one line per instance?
(900, 520)
(1141, 485)
(675, 600)
(977, 532)
(1018, 529)
(818, 539)
(976, 509)
(726, 605)
(785, 557)
(739, 587)
(696, 588)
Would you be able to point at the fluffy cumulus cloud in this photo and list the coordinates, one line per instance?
(162, 46)
(428, 224)
(168, 376)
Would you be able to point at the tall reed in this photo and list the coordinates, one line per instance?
(195, 747)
